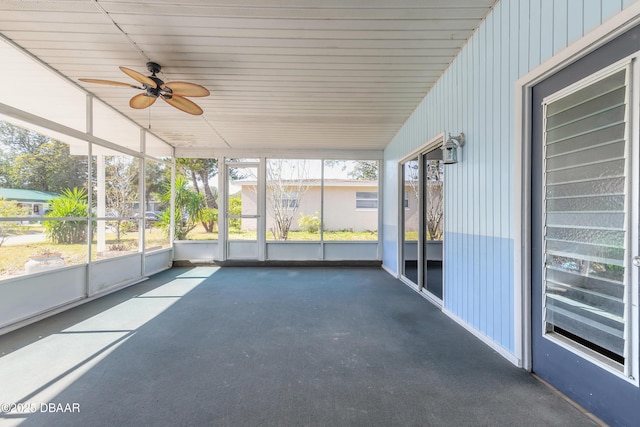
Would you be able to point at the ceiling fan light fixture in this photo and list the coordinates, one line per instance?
(173, 93)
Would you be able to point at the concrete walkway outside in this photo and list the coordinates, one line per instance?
(265, 347)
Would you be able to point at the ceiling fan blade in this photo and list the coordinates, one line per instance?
(183, 104)
(109, 82)
(139, 77)
(141, 101)
(187, 89)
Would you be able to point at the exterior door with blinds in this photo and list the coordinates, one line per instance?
(584, 230)
(585, 181)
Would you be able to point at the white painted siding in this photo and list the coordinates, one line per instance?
(475, 96)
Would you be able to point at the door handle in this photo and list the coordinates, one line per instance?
(636, 261)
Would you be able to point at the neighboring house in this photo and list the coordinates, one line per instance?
(36, 201)
(352, 204)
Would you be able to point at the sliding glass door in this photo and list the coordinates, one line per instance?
(433, 220)
(422, 219)
(410, 218)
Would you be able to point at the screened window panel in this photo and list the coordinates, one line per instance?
(585, 221)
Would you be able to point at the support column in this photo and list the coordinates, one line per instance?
(101, 203)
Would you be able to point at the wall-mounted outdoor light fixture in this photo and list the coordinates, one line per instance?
(450, 148)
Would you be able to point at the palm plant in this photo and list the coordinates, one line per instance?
(71, 204)
(188, 208)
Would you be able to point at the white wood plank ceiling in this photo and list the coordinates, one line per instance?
(283, 74)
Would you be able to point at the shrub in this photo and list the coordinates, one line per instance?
(309, 223)
(235, 208)
(72, 203)
(209, 219)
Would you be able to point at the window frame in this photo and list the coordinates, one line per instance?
(629, 370)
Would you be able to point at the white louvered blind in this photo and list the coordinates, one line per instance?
(585, 202)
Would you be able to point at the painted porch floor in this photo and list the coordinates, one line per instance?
(273, 346)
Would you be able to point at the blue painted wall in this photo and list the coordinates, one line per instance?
(475, 96)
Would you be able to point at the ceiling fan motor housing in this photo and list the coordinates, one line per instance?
(153, 67)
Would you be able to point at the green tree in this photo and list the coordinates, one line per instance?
(51, 168)
(33, 161)
(209, 219)
(364, 170)
(72, 203)
(360, 170)
(17, 140)
(201, 171)
(157, 175)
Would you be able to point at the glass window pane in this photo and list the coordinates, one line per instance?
(157, 176)
(116, 203)
(587, 156)
(35, 248)
(434, 201)
(115, 241)
(607, 169)
(585, 227)
(42, 180)
(606, 118)
(605, 85)
(598, 186)
(350, 200)
(198, 179)
(600, 136)
(410, 219)
(243, 229)
(293, 199)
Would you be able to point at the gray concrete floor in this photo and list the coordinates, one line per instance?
(265, 347)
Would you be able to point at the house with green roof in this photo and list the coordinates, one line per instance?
(36, 201)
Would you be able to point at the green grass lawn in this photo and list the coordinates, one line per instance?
(199, 234)
(13, 257)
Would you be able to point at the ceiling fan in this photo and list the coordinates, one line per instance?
(172, 92)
